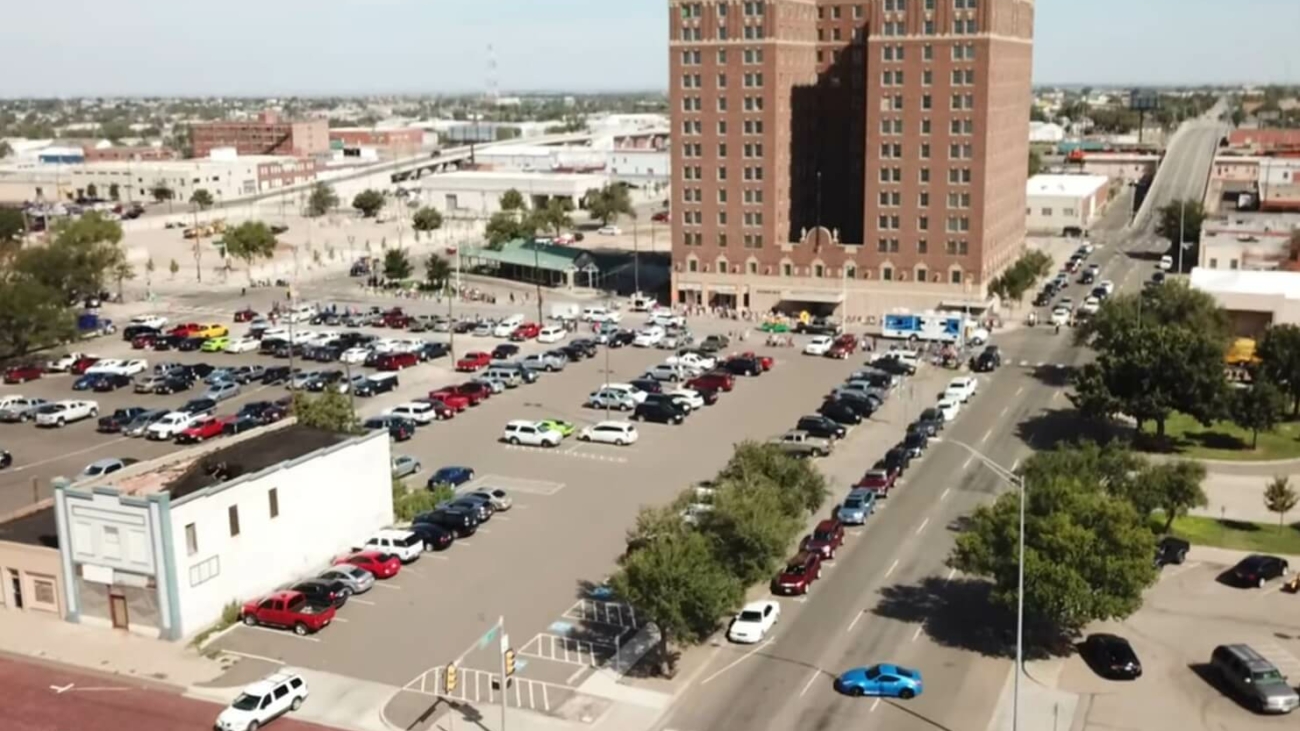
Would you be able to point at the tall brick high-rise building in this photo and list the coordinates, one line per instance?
(865, 156)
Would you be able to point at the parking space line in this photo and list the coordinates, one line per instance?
(921, 527)
(363, 601)
(811, 679)
(388, 586)
(281, 633)
(339, 619)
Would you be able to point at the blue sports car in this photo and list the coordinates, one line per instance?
(454, 476)
(880, 680)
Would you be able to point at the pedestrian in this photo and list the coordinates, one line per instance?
(243, 291)
(512, 298)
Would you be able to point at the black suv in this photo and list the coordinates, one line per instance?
(840, 412)
(373, 386)
(649, 385)
(461, 522)
(742, 366)
(821, 426)
(399, 429)
(929, 423)
(1171, 550)
(987, 361)
(915, 443)
(893, 366)
(174, 383)
(323, 592)
(274, 375)
(664, 412)
(897, 459)
(433, 351)
(586, 345)
(435, 537)
(263, 412)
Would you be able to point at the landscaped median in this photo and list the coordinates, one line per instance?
(1226, 441)
(1238, 535)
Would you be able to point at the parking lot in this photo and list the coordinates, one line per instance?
(1185, 616)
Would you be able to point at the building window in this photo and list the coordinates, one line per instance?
(923, 223)
(955, 276)
(233, 513)
(850, 272)
(43, 590)
(753, 266)
(1214, 263)
(191, 540)
(692, 265)
(922, 247)
(887, 273)
(922, 275)
(819, 271)
(722, 241)
(786, 269)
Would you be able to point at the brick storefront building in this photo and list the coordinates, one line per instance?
(860, 156)
(389, 142)
(118, 154)
(267, 135)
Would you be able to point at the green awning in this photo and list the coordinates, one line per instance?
(547, 257)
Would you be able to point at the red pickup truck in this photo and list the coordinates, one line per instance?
(287, 609)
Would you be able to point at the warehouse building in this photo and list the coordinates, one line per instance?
(1058, 204)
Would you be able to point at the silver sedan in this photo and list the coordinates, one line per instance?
(355, 578)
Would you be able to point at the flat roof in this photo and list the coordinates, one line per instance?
(251, 456)
(1075, 186)
(1247, 281)
(38, 528)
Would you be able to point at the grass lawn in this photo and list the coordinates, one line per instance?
(1224, 440)
(1239, 535)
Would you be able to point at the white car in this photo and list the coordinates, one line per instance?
(949, 407)
(62, 364)
(1090, 306)
(669, 373)
(610, 432)
(819, 345)
(635, 393)
(962, 388)
(113, 366)
(978, 336)
(532, 433)
(551, 334)
(243, 345)
(263, 702)
(401, 543)
(166, 428)
(649, 337)
(601, 314)
(420, 413)
(1061, 316)
(64, 412)
(1166, 263)
(687, 396)
(1107, 286)
(753, 622)
(694, 361)
(154, 321)
(666, 318)
(609, 230)
(354, 356)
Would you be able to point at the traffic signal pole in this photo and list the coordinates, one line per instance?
(506, 654)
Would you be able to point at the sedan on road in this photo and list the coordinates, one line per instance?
(1257, 569)
(1111, 656)
(890, 681)
(857, 507)
(753, 622)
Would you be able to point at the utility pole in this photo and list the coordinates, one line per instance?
(1182, 223)
(636, 256)
(505, 672)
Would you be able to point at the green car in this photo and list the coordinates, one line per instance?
(563, 427)
(215, 345)
(775, 327)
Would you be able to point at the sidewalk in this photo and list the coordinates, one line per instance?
(1042, 706)
(1241, 496)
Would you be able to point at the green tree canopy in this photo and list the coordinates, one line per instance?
(1186, 216)
(1035, 163)
(161, 192)
(397, 264)
(505, 226)
(1257, 408)
(609, 202)
(1279, 354)
(1172, 304)
(369, 202)
(512, 200)
(427, 219)
(1280, 497)
(248, 241)
(750, 527)
(1012, 284)
(322, 200)
(12, 225)
(800, 478)
(1170, 487)
(202, 198)
(331, 411)
(437, 271)
(553, 217)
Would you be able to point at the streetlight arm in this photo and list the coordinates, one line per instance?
(987, 461)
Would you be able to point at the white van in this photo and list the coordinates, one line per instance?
(600, 314)
(565, 311)
(301, 313)
(507, 325)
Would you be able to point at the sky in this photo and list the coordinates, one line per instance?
(283, 47)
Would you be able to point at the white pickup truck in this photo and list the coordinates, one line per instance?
(168, 427)
(113, 366)
(61, 413)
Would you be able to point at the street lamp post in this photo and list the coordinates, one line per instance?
(1017, 482)
(1182, 219)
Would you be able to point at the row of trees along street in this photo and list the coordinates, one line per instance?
(686, 575)
(515, 221)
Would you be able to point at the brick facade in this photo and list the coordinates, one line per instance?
(267, 135)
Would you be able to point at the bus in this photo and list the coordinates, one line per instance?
(943, 327)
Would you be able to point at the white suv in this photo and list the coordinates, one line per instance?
(263, 702)
(819, 345)
(531, 433)
(169, 426)
(401, 543)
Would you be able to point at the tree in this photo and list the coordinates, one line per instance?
(32, 315)
(397, 265)
(1035, 163)
(512, 200)
(5, 149)
(749, 527)
(330, 411)
(437, 271)
(248, 241)
(321, 200)
(1238, 116)
(92, 190)
(1173, 304)
(369, 202)
(12, 225)
(1185, 216)
(426, 219)
(1279, 355)
(1012, 284)
(173, 267)
(1257, 408)
(122, 272)
(114, 192)
(1280, 497)
(554, 216)
(149, 268)
(409, 503)
(799, 478)
(504, 227)
(1170, 487)
(1087, 553)
(202, 198)
(161, 192)
(680, 586)
(609, 202)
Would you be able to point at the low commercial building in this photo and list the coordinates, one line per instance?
(132, 152)
(1251, 241)
(1253, 182)
(268, 134)
(478, 192)
(1129, 167)
(388, 143)
(31, 573)
(1263, 141)
(160, 548)
(1254, 300)
(1059, 203)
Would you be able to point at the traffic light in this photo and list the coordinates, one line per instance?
(510, 662)
(450, 679)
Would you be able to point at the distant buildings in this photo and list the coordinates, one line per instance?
(1254, 300)
(388, 143)
(265, 135)
(1257, 169)
(1247, 241)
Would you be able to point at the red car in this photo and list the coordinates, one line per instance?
(80, 365)
(477, 393)
(22, 374)
(713, 381)
(382, 565)
(660, 217)
(526, 331)
(396, 319)
(201, 431)
(185, 330)
(140, 342)
(826, 538)
(397, 361)
(799, 574)
(452, 398)
(245, 315)
(766, 361)
(843, 347)
(882, 481)
(474, 362)
(440, 408)
(288, 609)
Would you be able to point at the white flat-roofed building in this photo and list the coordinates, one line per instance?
(1254, 300)
(1056, 203)
(478, 193)
(160, 548)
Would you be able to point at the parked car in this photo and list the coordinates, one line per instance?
(17, 408)
(531, 433)
(355, 578)
(612, 399)
(403, 544)
(802, 444)
(473, 361)
(22, 374)
(826, 538)
(620, 433)
(840, 413)
(264, 701)
(107, 466)
(118, 420)
(1111, 656)
(858, 505)
(201, 429)
(820, 426)
(169, 426)
(141, 423)
(324, 592)
(289, 610)
(752, 623)
(799, 574)
(1253, 679)
(453, 476)
(660, 411)
(398, 428)
(404, 465)
(1171, 550)
(880, 481)
(61, 413)
(417, 412)
(1258, 569)
(382, 565)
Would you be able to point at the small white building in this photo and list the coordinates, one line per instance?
(1056, 204)
(1046, 132)
(160, 548)
(478, 193)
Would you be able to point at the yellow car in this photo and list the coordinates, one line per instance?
(215, 345)
(212, 331)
